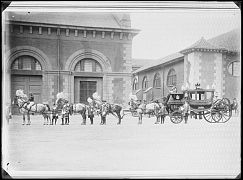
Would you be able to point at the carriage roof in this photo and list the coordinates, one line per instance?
(199, 90)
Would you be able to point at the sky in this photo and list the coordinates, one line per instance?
(169, 31)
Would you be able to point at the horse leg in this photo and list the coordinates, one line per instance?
(162, 118)
(56, 117)
(157, 119)
(140, 118)
(68, 119)
(49, 119)
(28, 118)
(104, 120)
(101, 120)
(186, 118)
(84, 119)
(91, 119)
(23, 119)
(52, 119)
(119, 117)
(62, 119)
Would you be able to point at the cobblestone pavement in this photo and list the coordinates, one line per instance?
(194, 148)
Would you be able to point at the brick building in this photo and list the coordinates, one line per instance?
(77, 53)
(214, 63)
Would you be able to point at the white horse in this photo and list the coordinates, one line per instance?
(150, 109)
(26, 107)
(79, 108)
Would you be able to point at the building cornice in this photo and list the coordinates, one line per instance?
(190, 50)
(105, 29)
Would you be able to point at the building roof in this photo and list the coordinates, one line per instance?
(229, 41)
(201, 44)
(87, 19)
(141, 62)
(174, 56)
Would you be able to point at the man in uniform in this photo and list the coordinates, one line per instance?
(31, 101)
(54, 114)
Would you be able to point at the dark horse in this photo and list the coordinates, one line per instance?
(113, 109)
(103, 109)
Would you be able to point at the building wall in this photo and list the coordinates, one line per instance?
(210, 69)
(114, 51)
(232, 84)
(159, 93)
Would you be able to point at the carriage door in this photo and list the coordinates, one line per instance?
(87, 88)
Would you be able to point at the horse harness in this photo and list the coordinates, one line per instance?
(25, 104)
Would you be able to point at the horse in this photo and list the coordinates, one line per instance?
(79, 108)
(153, 108)
(114, 109)
(103, 109)
(26, 107)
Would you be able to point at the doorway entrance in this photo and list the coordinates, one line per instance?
(86, 87)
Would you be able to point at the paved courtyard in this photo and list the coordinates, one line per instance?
(196, 148)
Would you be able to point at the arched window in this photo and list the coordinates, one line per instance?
(234, 68)
(88, 65)
(135, 84)
(171, 78)
(157, 80)
(145, 83)
(26, 63)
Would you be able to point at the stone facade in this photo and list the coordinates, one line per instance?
(59, 48)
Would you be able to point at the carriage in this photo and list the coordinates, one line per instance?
(173, 103)
(203, 102)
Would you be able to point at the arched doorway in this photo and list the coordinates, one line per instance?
(26, 74)
(88, 79)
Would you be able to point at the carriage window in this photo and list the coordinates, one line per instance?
(88, 65)
(234, 68)
(200, 96)
(145, 83)
(135, 84)
(26, 63)
(171, 78)
(157, 80)
(193, 96)
(209, 95)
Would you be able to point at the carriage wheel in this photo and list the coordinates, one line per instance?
(225, 111)
(208, 116)
(216, 115)
(176, 117)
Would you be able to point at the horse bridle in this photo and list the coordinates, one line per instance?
(23, 101)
